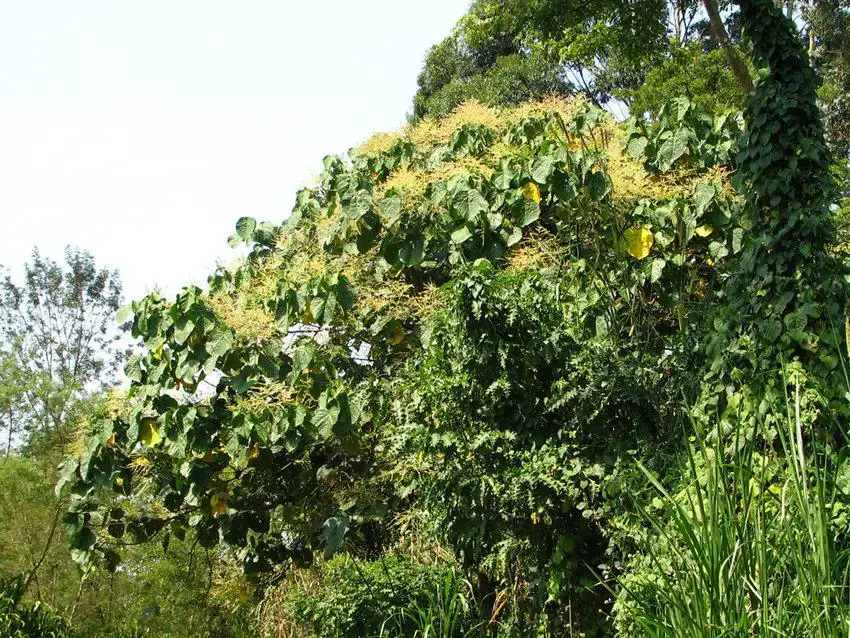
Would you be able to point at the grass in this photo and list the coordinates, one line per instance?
(748, 547)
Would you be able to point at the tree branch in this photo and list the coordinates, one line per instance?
(736, 63)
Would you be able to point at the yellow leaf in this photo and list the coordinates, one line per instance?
(638, 241)
(148, 434)
(396, 336)
(253, 451)
(111, 440)
(703, 231)
(218, 503)
(530, 191)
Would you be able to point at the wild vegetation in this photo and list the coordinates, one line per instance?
(519, 369)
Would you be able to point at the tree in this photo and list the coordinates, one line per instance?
(462, 320)
(14, 382)
(58, 327)
(601, 49)
(829, 47)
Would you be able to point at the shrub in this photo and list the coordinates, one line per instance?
(350, 597)
(20, 619)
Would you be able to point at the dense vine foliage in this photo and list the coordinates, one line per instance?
(787, 298)
(480, 331)
(474, 319)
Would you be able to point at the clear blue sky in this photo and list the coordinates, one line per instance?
(142, 130)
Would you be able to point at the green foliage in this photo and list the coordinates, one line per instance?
(829, 25)
(352, 394)
(714, 89)
(19, 619)
(751, 545)
(785, 302)
(446, 612)
(351, 597)
(57, 326)
(452, 76)
(505, 50)
(487, 324)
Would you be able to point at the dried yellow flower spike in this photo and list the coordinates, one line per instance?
(638, 241)
(530, 191)
(703, 231)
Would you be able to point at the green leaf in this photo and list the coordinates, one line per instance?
(512, 236)
(245, 227)
(657, 269)
(703, 194)
(530, 213)
(411, 251)
(770, 330)
(133, 368)
(637, 146)
(183, 327)
(672, 149)
(334, 530)
(717, 250)
(390, 210)
(303, 354)
(325, 417)
(469, 204)
(219, 342)
(796, 320)
(541, 169)
(598, 186)
(462, 234)
(124, 314)
(563, 187)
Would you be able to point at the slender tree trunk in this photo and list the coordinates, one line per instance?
(73, 609)
(37, 564)
(735, 61)
(9, 440)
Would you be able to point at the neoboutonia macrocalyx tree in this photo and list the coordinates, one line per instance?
(271, 412)
(478, 323)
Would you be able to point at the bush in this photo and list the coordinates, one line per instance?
(350, 597)
(20, 619)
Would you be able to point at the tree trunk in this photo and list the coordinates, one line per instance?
(735, 61)
(9, 441)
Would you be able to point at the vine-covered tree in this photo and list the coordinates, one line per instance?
(492, 330)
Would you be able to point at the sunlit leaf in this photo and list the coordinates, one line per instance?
(218, 503)
(531, 192)
(638, 241)
(148, 432)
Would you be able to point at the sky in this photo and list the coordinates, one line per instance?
(141, 131)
